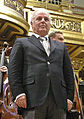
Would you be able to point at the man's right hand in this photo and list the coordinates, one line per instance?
(21, 101)
(3, 69)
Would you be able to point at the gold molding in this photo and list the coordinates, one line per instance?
(78, 53)
(66, 24)
(13, 16)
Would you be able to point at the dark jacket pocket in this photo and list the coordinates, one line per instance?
(29, 82)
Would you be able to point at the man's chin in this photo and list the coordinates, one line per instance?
(43, 33)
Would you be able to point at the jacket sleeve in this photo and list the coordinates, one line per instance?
(68, 75)
(15, 69)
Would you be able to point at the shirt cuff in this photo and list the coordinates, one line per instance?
(22, 94)
(69, 101)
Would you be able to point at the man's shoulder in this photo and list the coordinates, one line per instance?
(22, 39)
(58, 43)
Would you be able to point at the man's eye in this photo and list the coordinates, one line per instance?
(61, 39)
(46, 19)
(39, 18)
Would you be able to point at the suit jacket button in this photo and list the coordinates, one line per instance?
(48, 74)
(48, 62)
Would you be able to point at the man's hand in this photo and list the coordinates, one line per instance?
(21, 101)
(3, 69)
(69, 105)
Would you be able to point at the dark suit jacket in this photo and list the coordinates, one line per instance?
(31, 71)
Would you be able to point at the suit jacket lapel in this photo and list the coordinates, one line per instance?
(36, 42)
(52, 46)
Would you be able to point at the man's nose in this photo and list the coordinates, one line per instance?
(42, 19)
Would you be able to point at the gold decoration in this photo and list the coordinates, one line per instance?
(63, 24)
(15, 4)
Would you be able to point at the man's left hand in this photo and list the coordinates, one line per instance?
(69, 105)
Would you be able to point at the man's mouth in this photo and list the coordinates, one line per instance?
(42, 25)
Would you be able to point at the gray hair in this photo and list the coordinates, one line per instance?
(39, 10)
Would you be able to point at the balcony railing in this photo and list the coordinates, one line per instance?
(78, 10)
(56, 2)
(57, 5)
(12, 21)
(17, 5)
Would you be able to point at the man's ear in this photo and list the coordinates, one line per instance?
(31, 22)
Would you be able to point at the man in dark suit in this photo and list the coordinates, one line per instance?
(40, 73)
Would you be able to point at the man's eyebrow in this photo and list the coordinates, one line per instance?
(61, 38)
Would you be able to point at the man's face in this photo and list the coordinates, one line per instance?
(59, 37)
(41, 24)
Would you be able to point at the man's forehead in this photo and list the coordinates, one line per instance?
(58, 34)
(41, 13)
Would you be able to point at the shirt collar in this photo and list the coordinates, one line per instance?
(37, 36)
